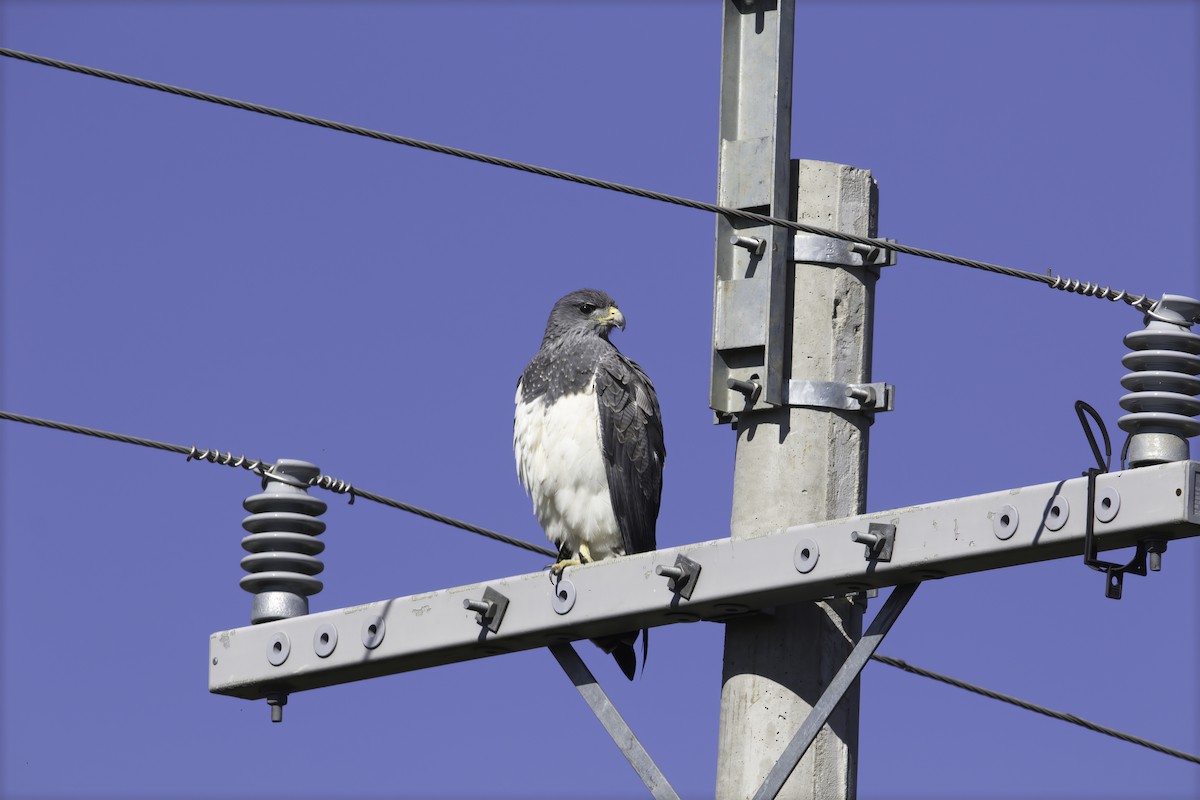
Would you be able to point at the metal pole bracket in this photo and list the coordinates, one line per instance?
(811, 248)
(865, 397)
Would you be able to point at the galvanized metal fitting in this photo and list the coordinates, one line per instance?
(879, 538)
(277, 701)
(755, 245)
(865, 397)
(681, 578)
(1108, 504)
(489, 612)
(806, 555)
(1005, 522)
(1057, 513)
(812, 248)
(563, 598)
(1154, 550)
(373, 631)
(325, 640)
(750, 389)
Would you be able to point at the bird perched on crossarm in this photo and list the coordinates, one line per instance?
(588, 440)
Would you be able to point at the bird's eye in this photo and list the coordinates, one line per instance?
(587, 308)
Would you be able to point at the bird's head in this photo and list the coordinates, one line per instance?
(586, 311)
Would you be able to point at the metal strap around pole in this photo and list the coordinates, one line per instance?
(616, 726)
(833, 693)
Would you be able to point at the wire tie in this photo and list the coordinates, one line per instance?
(336, 485)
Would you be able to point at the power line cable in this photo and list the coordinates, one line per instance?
(263, 468)
(342, 487)
(1140, 302)
(1049, 712)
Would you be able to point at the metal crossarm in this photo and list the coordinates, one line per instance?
(808, 562)
(613, 722)
(834, 692)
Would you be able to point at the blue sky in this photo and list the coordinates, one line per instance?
(206, 276)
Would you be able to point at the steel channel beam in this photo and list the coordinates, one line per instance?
(932, 541)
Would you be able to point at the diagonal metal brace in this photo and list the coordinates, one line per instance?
(834, 692)
(613, 722)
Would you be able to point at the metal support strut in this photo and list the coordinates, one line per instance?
(613, 722)
(833, 693)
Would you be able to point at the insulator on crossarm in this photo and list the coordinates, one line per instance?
(283, 547)
(1164, 383)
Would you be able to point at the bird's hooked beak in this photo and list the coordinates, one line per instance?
(613, 318)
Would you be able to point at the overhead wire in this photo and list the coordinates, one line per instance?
(1048, 712)
(329, 483)
(263, 469)
(1140, 302)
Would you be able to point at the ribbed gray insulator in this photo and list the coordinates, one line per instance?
(283, 527)
(1164, 383)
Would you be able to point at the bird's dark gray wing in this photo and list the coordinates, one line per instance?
(631, 434)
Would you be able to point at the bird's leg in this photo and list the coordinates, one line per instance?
(556, 569)
(564, 560)
(584, 557)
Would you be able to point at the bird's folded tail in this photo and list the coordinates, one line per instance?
(620, 647)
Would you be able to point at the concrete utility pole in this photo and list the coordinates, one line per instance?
(797, 465)
(788, 342)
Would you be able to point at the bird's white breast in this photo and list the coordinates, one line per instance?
(561, 464)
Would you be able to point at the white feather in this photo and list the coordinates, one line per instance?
(561, 465)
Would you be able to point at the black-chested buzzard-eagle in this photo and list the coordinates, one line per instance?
(588, 440)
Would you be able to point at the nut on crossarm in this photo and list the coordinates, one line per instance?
(277, 701)
(1154, 550)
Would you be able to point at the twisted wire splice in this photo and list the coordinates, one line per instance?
(265, 469)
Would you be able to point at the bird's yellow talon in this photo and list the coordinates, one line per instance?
(557, 569)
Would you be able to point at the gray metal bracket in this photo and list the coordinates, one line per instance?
(681, 578)
(489, 612)
(864, 397)
(834, 692)
(622, 735)
(751, 267)
(879, 539)
(811, 248)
